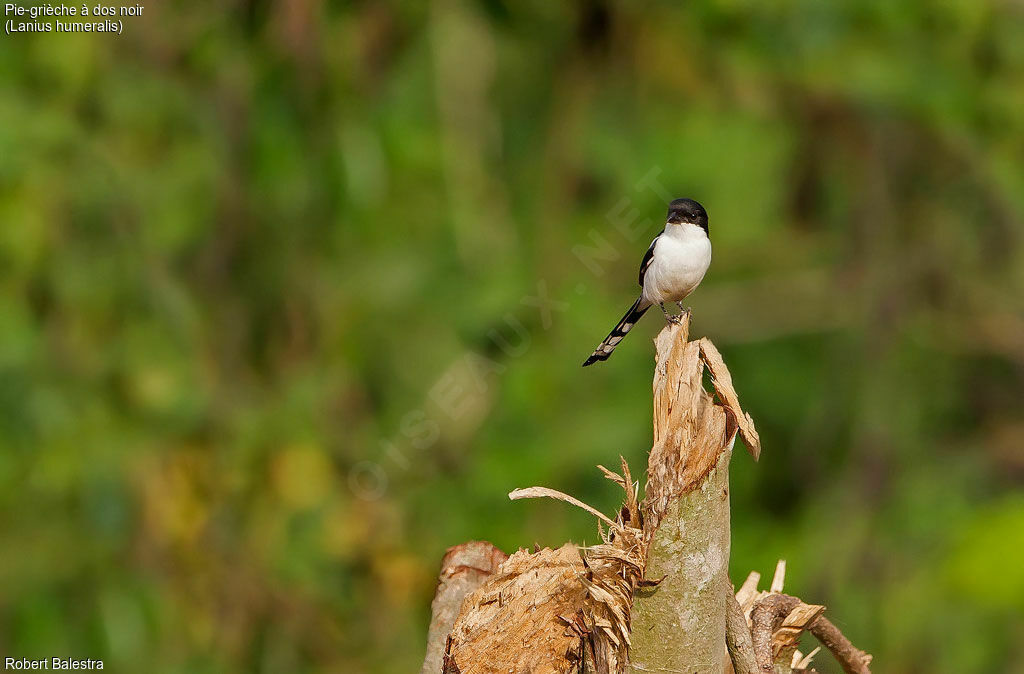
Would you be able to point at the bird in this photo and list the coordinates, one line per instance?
(672, 268)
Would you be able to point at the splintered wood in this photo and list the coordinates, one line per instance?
(464, 568)
(780, 619)
(773, 622)
(654, 595)
(569, 610)
(691, 430)
(554, 610)
(682, 625)
(721, 380)
(522, 618)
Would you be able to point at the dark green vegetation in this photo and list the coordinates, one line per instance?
(242, 243)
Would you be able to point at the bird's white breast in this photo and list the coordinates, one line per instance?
(681, 258)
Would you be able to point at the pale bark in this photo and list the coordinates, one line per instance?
(680, 624)
(737, 637)
(464, 568)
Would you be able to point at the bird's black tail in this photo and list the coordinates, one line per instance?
(605, 348)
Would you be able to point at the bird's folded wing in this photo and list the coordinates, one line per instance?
(648, 259)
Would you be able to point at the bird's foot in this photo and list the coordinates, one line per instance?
(674, 319)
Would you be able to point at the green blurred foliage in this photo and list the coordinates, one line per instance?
(256, 257)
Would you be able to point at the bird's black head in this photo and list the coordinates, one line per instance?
(687, 211)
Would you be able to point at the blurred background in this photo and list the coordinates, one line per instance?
(292, 294)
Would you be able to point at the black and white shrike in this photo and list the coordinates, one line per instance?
(673, 267)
